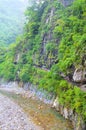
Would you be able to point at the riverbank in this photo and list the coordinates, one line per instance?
(12, 116)
(32, 92)
(42, 114)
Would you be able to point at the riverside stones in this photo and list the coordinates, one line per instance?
(12, 116)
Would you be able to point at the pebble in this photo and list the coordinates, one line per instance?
(12, 116)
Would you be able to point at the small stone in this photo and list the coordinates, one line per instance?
(12, 116)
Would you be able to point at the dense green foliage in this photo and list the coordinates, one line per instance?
(72, 47)
(11, 20)
(54, 42)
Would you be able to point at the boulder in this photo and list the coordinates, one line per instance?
(79, 75)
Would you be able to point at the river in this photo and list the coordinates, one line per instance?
(41, 114)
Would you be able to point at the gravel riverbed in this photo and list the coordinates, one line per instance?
(22, 110)
(12, 116)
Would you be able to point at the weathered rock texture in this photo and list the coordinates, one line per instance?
(80, 75)
(68, 113)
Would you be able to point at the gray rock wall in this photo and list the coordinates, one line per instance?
(69, 114)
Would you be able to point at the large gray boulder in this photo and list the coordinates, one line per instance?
(80, 75)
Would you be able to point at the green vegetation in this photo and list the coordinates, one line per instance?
(11, 20)
(54, 42)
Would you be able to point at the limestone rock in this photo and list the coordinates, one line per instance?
(65, 113)
(69, 114)
(78, 123)
(79, 75)
(56, 104)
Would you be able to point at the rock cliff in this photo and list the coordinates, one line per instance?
(70, 114)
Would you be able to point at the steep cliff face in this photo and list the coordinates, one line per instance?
(55, 37)
(50, 42)
(48, 53)
(52, 52)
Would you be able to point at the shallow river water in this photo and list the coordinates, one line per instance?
(42, 114)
